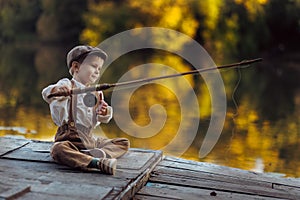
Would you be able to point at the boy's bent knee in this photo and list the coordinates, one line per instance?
(122, 141)
(59, 148)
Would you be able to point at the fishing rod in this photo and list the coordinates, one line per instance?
(105, 86)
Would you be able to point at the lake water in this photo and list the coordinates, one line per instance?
(260, 132)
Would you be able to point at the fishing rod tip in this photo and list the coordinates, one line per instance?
(252, 61)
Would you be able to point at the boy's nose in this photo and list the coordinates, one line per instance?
(97, 72)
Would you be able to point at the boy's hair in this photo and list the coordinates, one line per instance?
(79, 53)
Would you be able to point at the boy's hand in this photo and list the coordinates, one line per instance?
(102, 106)
(63, 90)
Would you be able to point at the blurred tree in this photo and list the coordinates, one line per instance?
(231, 29)
(208, 13)
(17, 84)
(61, 21)
(18, 19)
(102, 21)
(253, 32)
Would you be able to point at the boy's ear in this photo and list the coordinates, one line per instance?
(75, 65)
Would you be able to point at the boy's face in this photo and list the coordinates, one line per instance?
(89, 70)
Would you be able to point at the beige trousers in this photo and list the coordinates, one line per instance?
(69, 141)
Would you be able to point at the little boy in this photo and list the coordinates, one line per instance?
(75, 145)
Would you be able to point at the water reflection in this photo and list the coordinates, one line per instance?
(263, 136)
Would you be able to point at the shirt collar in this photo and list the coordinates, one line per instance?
(78, 84)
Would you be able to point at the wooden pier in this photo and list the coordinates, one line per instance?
(28, 172)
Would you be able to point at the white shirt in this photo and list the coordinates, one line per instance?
(59, 107)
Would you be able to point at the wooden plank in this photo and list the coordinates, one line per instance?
(38, 177)
(175, 172)
(34, 151)
(15, 192)
(44, 196)
(30, 165)
(74, 190)
(168, 191)
(47, 173)
(146, 197)
(33, 165)
(9, 144)
(221, 186)
(57, 190)
(293, 191)
(29, 155)
(11, 188)
(227, 171)
(161, 170)
(134, 160)
(40, 151)
(141, 160)
(141, 180)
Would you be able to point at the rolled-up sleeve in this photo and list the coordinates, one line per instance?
(58, 105)
(47, 90)
(106, 118)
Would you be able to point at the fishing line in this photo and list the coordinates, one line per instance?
(233, 97)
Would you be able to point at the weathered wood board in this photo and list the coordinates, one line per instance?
(175, 178)
(7, 145)
(171, 191)
(27, 171)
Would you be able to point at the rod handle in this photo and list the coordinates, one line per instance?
(98, 87)
(58, 94)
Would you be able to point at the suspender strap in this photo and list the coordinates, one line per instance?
(73, 113)
(72, 110)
